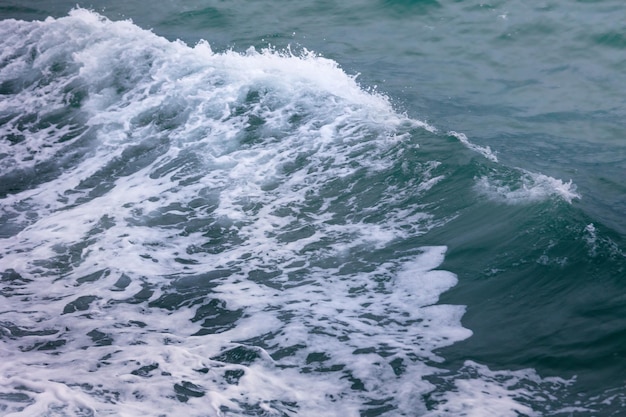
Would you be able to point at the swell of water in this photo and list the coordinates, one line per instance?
(186, 213)
(185, 231)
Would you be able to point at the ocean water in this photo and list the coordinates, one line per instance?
(362, 208)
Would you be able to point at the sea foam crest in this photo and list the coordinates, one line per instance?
(483, 150)
(192, 232)
(529, 187)
(201, 233)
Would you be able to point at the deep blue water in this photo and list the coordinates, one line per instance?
(394, 208)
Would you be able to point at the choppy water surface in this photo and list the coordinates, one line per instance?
(422, 217)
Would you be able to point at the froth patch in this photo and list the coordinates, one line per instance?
(219, 239)
(331, 346)
(527, 188)
(480, 392)
(599, 245)
(483, 150)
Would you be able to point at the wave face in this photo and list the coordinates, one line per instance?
(201, 233)
(188, 230)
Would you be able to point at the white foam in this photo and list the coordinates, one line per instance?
(95, 253)
(481, 392)
(219, 180)
(530, 187)
(483, 150)
(600, 245)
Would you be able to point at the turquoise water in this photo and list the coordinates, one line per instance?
(360, 208)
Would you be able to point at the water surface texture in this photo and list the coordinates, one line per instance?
(361, 208)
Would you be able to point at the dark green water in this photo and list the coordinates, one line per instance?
(218, 230)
